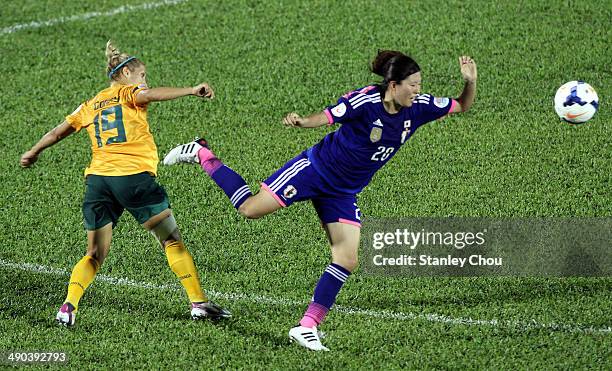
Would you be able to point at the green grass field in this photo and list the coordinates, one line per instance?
(509, 156)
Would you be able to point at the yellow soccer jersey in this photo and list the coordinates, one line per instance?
(121, 142)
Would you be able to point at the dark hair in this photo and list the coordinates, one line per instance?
(393, 66)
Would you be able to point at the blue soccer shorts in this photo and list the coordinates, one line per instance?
(297, 181)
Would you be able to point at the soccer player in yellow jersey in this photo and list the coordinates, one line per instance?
(122, 176)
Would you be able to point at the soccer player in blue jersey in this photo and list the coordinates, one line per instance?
(375, 122)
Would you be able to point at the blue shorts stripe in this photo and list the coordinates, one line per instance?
(286, 172)
(287, 175)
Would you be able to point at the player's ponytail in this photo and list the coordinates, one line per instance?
(392, 65)
(117, 60)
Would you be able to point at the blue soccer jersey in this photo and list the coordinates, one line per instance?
(369, 136)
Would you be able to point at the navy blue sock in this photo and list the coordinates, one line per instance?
(232, 184)
(228, 180)
(325, 293)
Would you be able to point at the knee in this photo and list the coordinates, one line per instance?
(248, 210)
(349, 262)
(166, 231)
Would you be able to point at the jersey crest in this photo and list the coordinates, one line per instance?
(375, 134)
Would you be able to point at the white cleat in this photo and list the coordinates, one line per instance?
(66, 315)
(185, 153)
(307, 337)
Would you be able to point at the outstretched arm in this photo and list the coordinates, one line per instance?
(202, 90)
(470, 75)
(313, 121)
(56, 134)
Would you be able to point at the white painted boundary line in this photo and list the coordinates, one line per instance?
(382, 314)
(81, 17)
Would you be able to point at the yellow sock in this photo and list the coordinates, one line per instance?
(82, 275)
(182, 265)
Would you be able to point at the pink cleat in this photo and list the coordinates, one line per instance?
(66, 315)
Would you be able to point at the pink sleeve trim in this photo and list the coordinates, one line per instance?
(346, 221)
(367, 88)
(265, 186)
(454, 104)
(330, 119)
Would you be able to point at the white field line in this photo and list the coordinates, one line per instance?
(382, 314)
(85, 16)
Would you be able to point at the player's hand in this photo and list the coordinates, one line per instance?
(468, 68)
(28, 158)
(203, 91)
(292, 120)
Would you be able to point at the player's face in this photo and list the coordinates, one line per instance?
(137, 76)
(407, 89)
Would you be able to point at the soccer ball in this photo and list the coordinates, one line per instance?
(576, 102)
